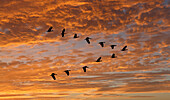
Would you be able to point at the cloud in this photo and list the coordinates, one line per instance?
(29, 54)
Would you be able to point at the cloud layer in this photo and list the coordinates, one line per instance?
(28, 54)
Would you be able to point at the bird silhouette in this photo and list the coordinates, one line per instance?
(87, 39)
(50, 29)
(99, 59)
(63, 32)
(67, 72)
(124, 48)
(53, 76)
(112, 46)
(113, 56)
(75, 36)
(84, 68)
(102, 44)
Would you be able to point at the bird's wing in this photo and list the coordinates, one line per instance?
(62, 34)
(98, 59)
(112, 46)
(53, 77)
(124, 48)
(88, 41)
(67, 72)
(49, 29)
(84, 68)
(63, 31)
(102, 44)
(113, 55)
(75, 35)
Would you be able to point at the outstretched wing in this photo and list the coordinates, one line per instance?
(75, 36)
(67, 72)
(53, 77)
(88, 41)
(112, 46)
(49, 30)
(113, 55)
(63, 32)
(101, 43)
(98, 60)
(124, 48)
(84, 68)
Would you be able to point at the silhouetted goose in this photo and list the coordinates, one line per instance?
(53, 76)
(87, 39)
(102, 44)
(113, 56)
(63, 32)
(124, 48)
(50, 29)
(84, 68)
(75, 36)
(112, 46)
(99, 59)
(67, 72)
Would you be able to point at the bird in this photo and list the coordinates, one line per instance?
(50, 29)
(67, 72)
(75, 36)
(99, 59)
(112, 46)
(53, 76)
(124, 48)
(84, 68)
(113, 56)
(63, 32)
(102, 44)
(87, 39)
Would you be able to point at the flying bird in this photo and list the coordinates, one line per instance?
(50, 29)
(112, 46)
(113, 56)
(84, 68)
(53, 76)
(124, 48)
(102, 44)
(87, 39)
(67, 72)
(99, 59)
(63, 32)
(75, 36)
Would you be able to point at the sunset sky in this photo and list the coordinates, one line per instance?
(29, 54)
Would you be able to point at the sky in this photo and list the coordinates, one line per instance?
(29, 54)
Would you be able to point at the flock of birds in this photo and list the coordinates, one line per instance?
(88, 41)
